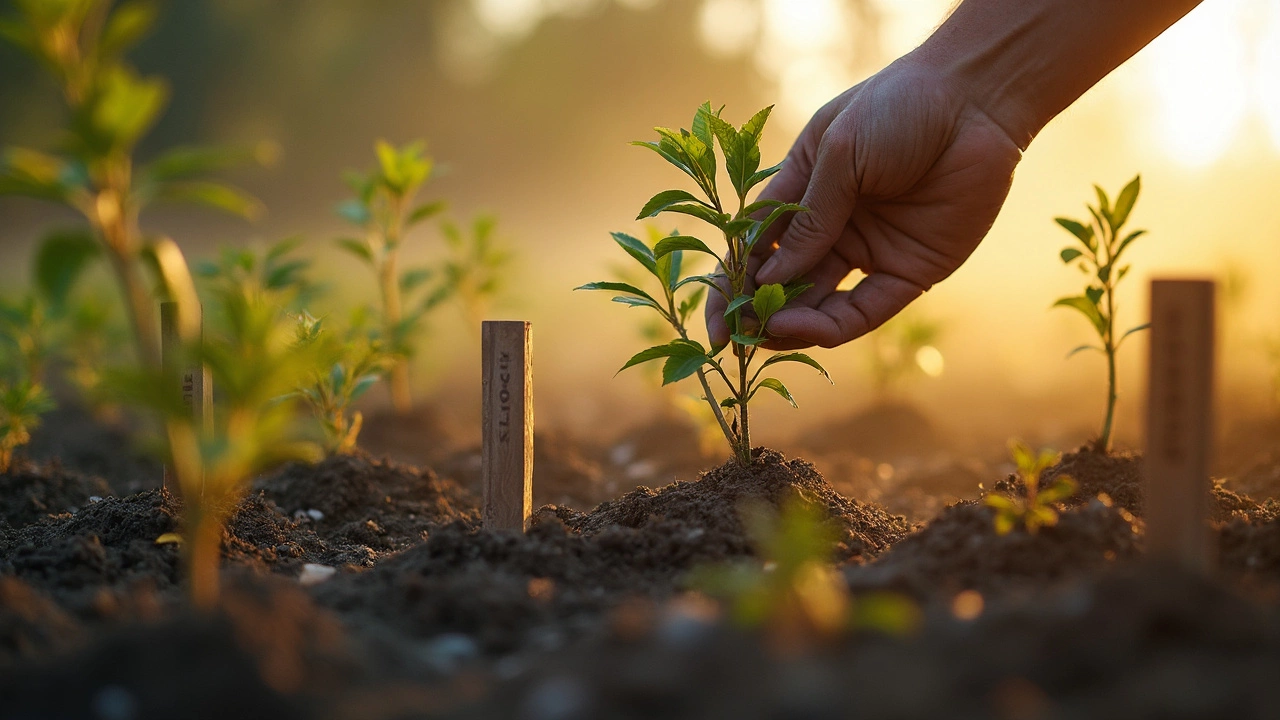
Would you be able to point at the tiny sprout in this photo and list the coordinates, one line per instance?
(748, 309)
(1037, 509)
(347, 369)
(1099, 258)
(21, 405)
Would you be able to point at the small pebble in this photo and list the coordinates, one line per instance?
(315, 573)
(449, 652)
(95, 498)
(315, 514)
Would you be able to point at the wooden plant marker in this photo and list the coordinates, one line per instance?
(1180, 423)
(197, 387)
(507, 416)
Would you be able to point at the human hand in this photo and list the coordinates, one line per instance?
(903, 176)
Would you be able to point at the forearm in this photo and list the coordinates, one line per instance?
(1025, 61)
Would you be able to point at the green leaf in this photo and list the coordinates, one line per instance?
(1082, 348)
(1082, 232)
(123, 108)
(691, 303)
(211, 194)
(747, 340)
(768, 300)
(737, 303)
(701, 127)
(702, 212)
(796, 288)
(424, 212)
(675, 156)
(125, 27)
(1087, 308)
(1094, 294)
(762, 175)
(1128, 239)
(639, 302)
(359, 248)
(676, 348)
(1125, 202)
(682, 242)
(639, 251)
(1104, 273)
(797, 357)
(664, 200)
(765, 224)
(62, 257)
(618, 287)
(414, 279)
(679, 367)
(188, 162)
(1132, 330)
(1104, 205)
(776, 385)
(1069, 254)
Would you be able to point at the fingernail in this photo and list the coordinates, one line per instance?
(767, 270)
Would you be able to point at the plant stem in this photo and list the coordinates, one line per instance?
(393, 311)
(744, 427)
(1104, 440)
(141, 307)
(204, 556)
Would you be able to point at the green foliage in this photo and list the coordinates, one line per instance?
(1099, 255)
(792, 587)
(349, 367)
(82, 45)
(21, 405)
(749, 310)
(1038, 508)
(384, 208)
(23, 398)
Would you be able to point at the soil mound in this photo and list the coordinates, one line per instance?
(93, 446)
(267, 653)
(355, 499)
(960, 550)
(1118, 475)
(29, 492)
(712, 505)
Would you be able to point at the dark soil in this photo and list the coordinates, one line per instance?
(960, 550)
(81, 443)
(1143, 642)
(555, 582)
(29, 492)
(1118, 475)
(355, 499)
(92, 559)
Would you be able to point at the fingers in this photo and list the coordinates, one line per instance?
(829, 197)
(717, 328)
(844, 316)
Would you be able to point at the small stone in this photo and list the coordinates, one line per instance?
(315, 514)
(315, 573)
(94, 499)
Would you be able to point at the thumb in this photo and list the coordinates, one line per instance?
(830, 198)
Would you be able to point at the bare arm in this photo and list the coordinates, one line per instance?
(904, 173)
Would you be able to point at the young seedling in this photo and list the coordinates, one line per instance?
(23, 398)
(349, 367)
(473, 269)
(383, 208)
(256, 368)
(1099, 255)
(1038, 508)
(748, 311)
(82, 44)
(793, 588)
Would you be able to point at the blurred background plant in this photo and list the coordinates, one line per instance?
(348, 367)
(23, 398)
(791, 588)
(903, 350)
(110, 107)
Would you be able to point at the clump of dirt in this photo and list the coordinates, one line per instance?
(1253, 545)
(1118, 475)
(91, 559)
(712, 504)
(885, 431)
(1261, 480)
(29, 492)
(960, 550)
(266, 652)
(355, 499)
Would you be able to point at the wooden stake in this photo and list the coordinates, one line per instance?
(197, 388)
(1180, 423)
(507, 455)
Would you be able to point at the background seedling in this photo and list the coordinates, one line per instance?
(1038, 508)
(348, 368)
(23, 353)
(82, 44)
(902, 349)
(1099, 255)
(748, 309)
